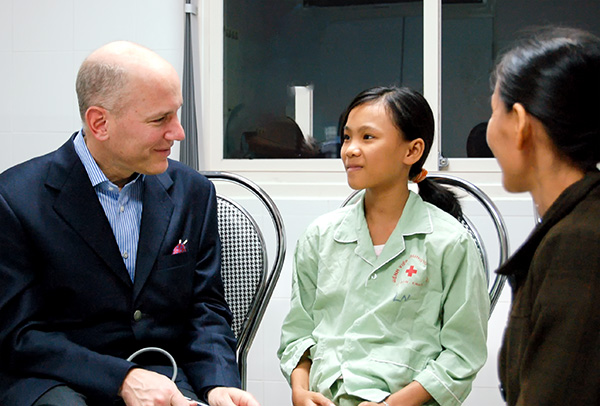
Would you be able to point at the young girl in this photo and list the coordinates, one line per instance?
(389, 299)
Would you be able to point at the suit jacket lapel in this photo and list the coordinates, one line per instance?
(156, 216)
(77, 203)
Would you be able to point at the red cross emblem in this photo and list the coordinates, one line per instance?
(410, 271)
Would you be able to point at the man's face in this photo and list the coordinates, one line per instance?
(141, 135)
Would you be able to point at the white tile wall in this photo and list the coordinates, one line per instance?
(40, 25)
(6, 27)
(44, 100)
(6, 88)
(42, 44)
(92, 18)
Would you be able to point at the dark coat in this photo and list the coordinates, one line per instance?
(69, 313)
(551, 349)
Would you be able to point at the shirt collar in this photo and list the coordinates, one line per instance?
(94, 172)
(415, 219)
(519, 262)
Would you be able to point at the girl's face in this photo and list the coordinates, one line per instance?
(373, 149)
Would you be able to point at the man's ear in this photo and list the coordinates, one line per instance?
(415, 151)
(96, 119)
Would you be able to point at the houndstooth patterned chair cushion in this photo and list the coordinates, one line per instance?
(244, 261)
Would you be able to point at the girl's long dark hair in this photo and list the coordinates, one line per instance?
(412, 115)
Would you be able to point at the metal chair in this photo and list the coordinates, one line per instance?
(495, 289)
(248, 279)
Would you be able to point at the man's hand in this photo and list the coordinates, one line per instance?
(222, 396)
(303, 397)
(146, 388)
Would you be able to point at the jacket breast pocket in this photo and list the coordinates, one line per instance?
(173, 261)
(173, 280)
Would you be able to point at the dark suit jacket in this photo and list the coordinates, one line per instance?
(551, 349)
(67, 303)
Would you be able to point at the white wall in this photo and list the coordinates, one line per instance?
(42, 44)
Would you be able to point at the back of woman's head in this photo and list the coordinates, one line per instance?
(411, 114)
(555, 75)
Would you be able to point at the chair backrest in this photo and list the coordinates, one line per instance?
(248, 279)
(495, 287)
(243, 260)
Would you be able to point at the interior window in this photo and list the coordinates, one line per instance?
(472, 38)
(292, 66)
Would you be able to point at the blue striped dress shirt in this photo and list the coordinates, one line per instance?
(123, 208)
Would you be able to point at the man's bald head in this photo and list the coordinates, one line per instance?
(105, 76)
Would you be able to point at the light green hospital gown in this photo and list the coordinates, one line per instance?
(373, 324)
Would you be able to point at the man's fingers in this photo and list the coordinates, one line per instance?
(224, 396)
(146, 388)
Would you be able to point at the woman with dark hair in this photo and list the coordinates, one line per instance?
(389, 297)
(545, 134)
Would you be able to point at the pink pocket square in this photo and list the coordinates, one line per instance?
(179, 248)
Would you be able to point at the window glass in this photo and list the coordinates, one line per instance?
(472, 38)
(291, 66)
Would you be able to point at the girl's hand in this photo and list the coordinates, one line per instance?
(302, 397)
(413, 394)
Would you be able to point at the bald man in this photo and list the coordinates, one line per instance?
(107, 247)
